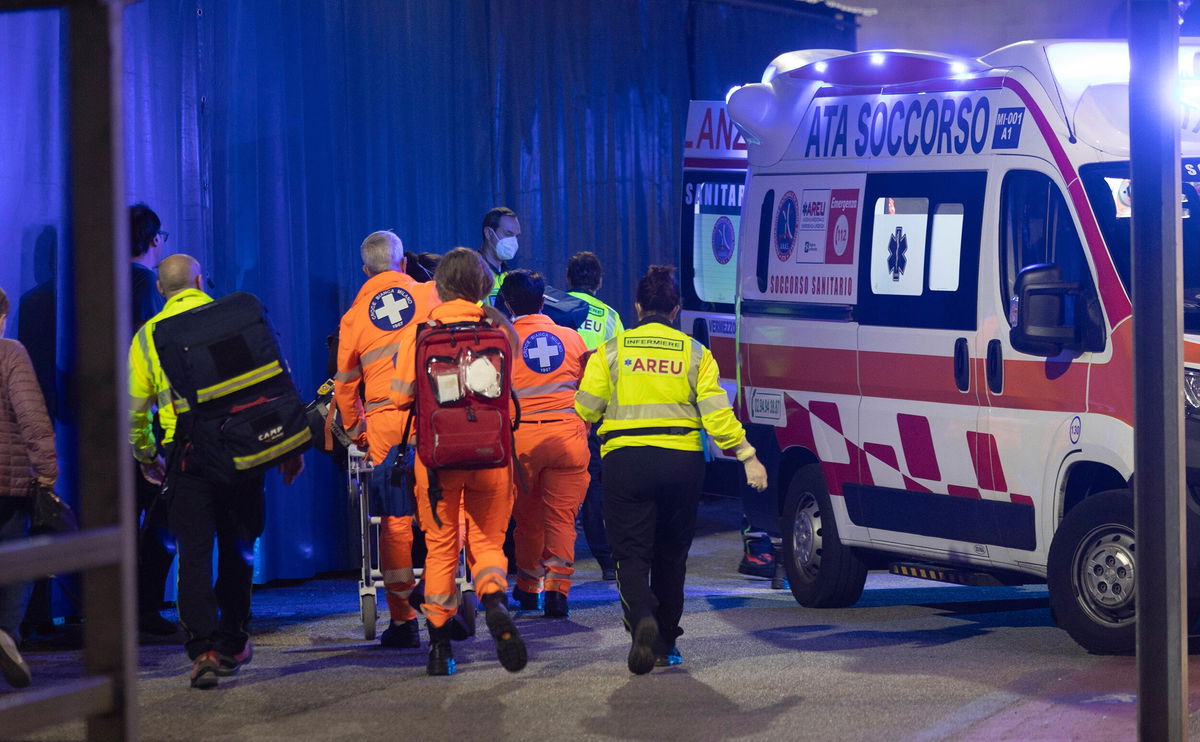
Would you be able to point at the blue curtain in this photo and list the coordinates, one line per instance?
(272, 136)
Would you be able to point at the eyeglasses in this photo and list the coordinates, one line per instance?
(162, 236)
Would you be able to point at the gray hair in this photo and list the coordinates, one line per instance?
(382, 251)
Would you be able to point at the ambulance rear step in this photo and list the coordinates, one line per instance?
(943, 574)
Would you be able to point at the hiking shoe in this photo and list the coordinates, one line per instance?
(641, 654)
(758, 555)
(526, 601)
(229, 664)
(672, 657)
(555, 604)
(405, 635)
(12, 664)
(441, 654)
(510, 648)
(205, 670)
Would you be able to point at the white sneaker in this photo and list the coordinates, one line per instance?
(12, 664)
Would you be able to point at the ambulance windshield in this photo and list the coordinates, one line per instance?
(1108, 190)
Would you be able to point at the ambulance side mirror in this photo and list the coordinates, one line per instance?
(1041, 322)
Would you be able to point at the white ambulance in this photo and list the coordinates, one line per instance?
(933, 313)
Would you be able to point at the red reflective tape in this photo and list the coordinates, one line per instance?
(1021, 499)
(827, 412)
(886, 454)
(913, 485)
(917, 441)
(986, 459)
(955, 490)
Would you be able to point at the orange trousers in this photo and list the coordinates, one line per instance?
(554, 461)
(384, 429)
(485, 496)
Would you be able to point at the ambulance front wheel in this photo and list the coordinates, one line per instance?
(1092, 573)
(821, 571)
(369, 616)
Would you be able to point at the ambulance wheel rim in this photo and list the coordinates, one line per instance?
(806, 535)
(1104, 574)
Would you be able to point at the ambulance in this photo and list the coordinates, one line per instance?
(933, 316)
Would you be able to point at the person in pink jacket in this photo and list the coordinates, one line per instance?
(26, 453)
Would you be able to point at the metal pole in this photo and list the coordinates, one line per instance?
(101, 269)
(1158, 370)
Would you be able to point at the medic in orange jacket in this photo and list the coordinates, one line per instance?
(368, 338)
(551, 445)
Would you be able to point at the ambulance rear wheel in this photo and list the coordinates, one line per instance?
(821, 571)
(1092, 573)
(369, 616)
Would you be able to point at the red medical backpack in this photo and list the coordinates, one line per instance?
(463, 387)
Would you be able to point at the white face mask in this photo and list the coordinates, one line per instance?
(506, 248)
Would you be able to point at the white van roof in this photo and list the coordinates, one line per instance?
(1085, 81)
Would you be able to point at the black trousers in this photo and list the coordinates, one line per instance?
(650, 503)
(215, 617)
(155, 548)
(591, 515)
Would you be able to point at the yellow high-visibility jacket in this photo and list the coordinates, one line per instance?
(654, 376)
(148, 386)
(602, 323)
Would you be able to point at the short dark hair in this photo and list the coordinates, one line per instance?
(523, 291)
(491, 220)
(461, 274)
(658, 292)
(144, 224)
(584, 271)
(3, 303)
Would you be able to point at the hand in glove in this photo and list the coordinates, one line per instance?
(756, 473)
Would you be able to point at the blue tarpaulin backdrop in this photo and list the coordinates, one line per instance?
(272, 136)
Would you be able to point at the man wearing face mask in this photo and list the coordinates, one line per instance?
(500, 232)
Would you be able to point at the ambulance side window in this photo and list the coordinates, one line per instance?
(920, 248)
(1036, 227)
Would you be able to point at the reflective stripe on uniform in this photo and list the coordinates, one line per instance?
(589, 401)
(289, 444)
(652, 411)
(560, 411)
(402, 387)
(140, 404)
(709, 405)
(537, 389)
(239, 382)
(694, 369)
(375, 404)
(348, 376)
(385, 351)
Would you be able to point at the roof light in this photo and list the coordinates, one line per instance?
(769, 73)
(821, 66)
(877, 58)
(731, 91)
(957, 68)
(1189, 92)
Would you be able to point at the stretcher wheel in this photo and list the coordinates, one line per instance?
(369, 616)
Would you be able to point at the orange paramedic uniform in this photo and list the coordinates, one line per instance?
(485, 495)
(552, 451)
(368, 337)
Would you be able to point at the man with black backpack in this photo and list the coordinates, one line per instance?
(228, 410)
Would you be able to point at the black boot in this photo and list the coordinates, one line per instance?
(556, 604)
(441, 656)
(510, 648)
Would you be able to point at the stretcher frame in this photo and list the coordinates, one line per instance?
(358, 475)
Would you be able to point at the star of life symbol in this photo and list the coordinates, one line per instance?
(543, 352)
(897, 247)
(392, 309)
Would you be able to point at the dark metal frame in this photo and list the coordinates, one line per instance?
(1162, 710)
(104, 549)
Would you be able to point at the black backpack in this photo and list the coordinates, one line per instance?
(240, 413)
(562, 308)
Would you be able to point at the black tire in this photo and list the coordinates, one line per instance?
(1091, 573)
(369, 616)
(821, 571)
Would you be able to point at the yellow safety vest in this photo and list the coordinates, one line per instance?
(603, 323)
(148, 386)
(652, 377)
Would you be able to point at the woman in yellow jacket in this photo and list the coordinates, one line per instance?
(656, 388)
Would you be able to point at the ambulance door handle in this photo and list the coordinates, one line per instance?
(995, 367)
(962, 365)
